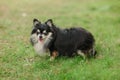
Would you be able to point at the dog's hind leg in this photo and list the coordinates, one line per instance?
(90, 53)
(82, 54)
(93, 52)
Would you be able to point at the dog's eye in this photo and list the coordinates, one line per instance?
(38, 33)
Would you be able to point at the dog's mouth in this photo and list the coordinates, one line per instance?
(41, 40)
(45, 38)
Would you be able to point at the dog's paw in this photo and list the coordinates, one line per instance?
(52, 58)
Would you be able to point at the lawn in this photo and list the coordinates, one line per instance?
(18, 60)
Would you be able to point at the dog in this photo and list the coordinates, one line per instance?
(40, 38)
(62, 42)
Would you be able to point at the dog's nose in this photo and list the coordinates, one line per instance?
(40, 37)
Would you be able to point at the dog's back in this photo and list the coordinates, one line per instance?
(68, 41)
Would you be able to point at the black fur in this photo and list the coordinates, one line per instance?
(69, 41)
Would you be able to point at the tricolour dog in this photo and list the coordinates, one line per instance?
(61, 42)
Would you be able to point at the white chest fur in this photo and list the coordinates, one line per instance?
(41, 46)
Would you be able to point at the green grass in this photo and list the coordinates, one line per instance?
(17, 56)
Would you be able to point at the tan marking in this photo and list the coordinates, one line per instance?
(38, 30)
(54, 55)
(44, 31)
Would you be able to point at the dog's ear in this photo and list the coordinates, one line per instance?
(36, 22)
(49, 22)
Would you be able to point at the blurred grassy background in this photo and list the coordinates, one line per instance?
(17, 57)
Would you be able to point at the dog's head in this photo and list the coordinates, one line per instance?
(41, 31)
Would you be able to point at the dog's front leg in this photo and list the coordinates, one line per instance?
(53, 54)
